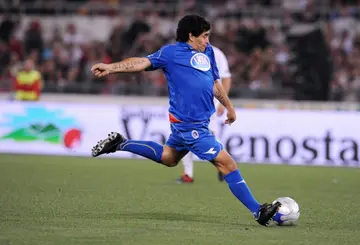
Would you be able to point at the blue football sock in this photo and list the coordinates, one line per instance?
(242, 192)
(148, 149)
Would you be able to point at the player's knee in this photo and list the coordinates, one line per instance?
(171, 164)
(226, 167)
(230, 166)
(225, 163)
(169, 161)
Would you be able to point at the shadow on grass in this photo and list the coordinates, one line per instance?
(172, 216)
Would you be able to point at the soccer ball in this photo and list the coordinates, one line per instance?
(288, 213)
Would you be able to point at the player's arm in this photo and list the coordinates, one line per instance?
(226, 83)
(130, 65)
(133, 64)
(222, 97)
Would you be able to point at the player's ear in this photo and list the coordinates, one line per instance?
(191, 37)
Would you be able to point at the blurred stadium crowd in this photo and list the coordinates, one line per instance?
(252, 34)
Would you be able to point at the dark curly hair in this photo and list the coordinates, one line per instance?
(194, 24)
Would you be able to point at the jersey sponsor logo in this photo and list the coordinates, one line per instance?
(195, 134)
(200, 61)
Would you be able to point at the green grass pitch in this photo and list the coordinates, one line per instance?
(65, 200)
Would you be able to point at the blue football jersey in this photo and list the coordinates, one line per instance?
(190, 75)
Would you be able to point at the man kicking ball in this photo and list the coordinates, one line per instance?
(193, 80)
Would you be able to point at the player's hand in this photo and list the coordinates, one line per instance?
(220, 110)
(231, 116)
(100, 69)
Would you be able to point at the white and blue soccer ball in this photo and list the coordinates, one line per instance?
(288, 213)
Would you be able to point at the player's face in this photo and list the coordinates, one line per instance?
(201, 41)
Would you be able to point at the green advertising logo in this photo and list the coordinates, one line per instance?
(40, 124)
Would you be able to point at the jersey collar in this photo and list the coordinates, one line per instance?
(184, 44)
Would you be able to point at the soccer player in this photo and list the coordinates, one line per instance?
(225, 79)
(192, 76)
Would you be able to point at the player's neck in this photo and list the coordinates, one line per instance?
(194, 46)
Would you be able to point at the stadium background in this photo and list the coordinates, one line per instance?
(296, 86)
(258, 37)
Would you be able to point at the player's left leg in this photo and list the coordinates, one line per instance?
(168, 155)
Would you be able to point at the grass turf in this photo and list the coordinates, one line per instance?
(64, 200)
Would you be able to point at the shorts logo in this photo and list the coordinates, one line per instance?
(200, 61)
(212, 152)
(195, 134)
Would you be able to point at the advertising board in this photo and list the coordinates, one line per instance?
(258, 135)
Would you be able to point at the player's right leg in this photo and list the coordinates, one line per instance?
(166, 155)
(208, 148)
(225, 164)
